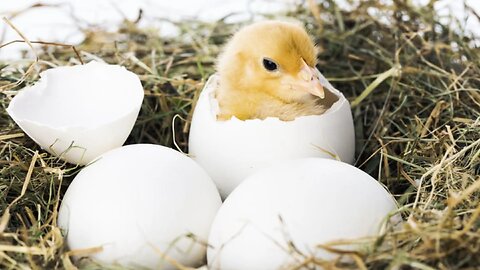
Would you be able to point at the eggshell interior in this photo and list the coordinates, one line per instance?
(231, 150)
(302, 203)
(79, 112)
(138, 202)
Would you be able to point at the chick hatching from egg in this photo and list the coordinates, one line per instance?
(266, 104)
(268, 69)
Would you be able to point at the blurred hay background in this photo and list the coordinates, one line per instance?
(414, 85)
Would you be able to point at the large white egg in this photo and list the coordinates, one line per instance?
(79, 112)
(139, 202)
(298, 203)
(231, 150)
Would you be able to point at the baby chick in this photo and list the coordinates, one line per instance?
(268, 69)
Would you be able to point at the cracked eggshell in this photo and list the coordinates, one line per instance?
(231, 150)
(79, 112)
(300, 203)
(138, 202)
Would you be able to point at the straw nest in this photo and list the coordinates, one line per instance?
(413, 83)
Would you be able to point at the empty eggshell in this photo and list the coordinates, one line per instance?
(139, 202)
(231, 150)
(298, 203)
(79, 112)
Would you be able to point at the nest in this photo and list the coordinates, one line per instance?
(413, 83)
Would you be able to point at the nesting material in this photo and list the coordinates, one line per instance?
(79, 112)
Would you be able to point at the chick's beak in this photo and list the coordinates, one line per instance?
(309, 77)
(307, 80)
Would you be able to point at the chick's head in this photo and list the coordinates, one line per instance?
(273, 58)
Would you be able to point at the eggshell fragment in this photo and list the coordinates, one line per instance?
(231, 150)
(79, 112)
(279, 216)
(140, 202)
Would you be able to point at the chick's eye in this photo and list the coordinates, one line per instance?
(269, 64)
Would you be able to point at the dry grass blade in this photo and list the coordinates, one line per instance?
(11, 136)
(392, 72)
(30, 68)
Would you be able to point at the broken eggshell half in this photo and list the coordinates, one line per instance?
(79, 112)
(234, 149)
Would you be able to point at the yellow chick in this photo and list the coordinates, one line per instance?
(268, 69)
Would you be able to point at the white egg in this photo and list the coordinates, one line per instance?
(231, 150)
(298, 203)
(139, 202)
(79, 112)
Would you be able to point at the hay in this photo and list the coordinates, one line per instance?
(415, 90)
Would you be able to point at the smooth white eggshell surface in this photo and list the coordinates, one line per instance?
(307, 201)
(138, 202)
(231, 150)
(79, 112)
